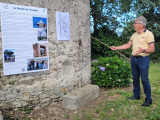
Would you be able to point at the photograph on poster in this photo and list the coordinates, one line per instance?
(41, 24)
(39, 50)
(9, 55)
(37, 64)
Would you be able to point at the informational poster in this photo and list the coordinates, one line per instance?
(63, 26)
(24, 39)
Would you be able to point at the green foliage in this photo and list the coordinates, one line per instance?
(76, 117)
(1, 65)
(101, 12)
(66, 116)
(117, 73)
(9, 117)
(154, 116)
(155, 57)
(100, 50)
(27, 109)
(128, 30)
(107, 37)
(11, 83)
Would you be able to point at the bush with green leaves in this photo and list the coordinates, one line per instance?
(111, 72)
(155, 58)
(107, 37)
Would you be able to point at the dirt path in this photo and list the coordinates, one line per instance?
(55, 111)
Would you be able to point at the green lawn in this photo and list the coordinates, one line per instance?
(123, 109)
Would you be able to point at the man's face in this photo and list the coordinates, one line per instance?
(137, 25)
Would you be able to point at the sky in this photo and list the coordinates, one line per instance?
(37, 19)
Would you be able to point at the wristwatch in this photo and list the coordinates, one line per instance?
(144, 51)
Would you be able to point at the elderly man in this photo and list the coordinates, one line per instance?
(142, 42)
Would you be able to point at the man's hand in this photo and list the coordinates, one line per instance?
(113, 48)
(139, 51)
(122, 47)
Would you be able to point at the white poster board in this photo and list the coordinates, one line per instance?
(24, 39)
(63, 26)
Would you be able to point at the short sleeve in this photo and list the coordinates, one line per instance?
(131, 38)
(150, 38)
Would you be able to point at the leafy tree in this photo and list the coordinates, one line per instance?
(104, 13)
(107, 17)
(150, 10)
(152, 15)
(109, 38)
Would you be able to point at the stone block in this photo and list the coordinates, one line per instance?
(1, 114)
(80, 97)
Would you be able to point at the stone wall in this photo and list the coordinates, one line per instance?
(69, 61)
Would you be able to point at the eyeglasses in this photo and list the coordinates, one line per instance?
(137, 23)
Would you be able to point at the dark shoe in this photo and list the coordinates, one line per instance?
(147, 103)
(133, 98)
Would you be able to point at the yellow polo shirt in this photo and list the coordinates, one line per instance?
(141, 40)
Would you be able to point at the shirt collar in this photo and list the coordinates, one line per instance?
(143, 31)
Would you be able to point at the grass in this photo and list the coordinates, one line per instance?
(123, 109)
(21, 114)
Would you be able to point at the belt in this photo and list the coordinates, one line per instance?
(137, 56)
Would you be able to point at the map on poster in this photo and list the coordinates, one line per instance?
(24, 39)
(62, 26)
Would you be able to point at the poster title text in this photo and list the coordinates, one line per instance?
(26, 9)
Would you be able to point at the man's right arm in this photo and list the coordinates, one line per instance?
(123, 47)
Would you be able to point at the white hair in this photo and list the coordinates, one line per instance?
(142, 20)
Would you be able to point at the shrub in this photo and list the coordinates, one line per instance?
(107, 37)
(155, 56)
(98, 49)
(111, 72)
